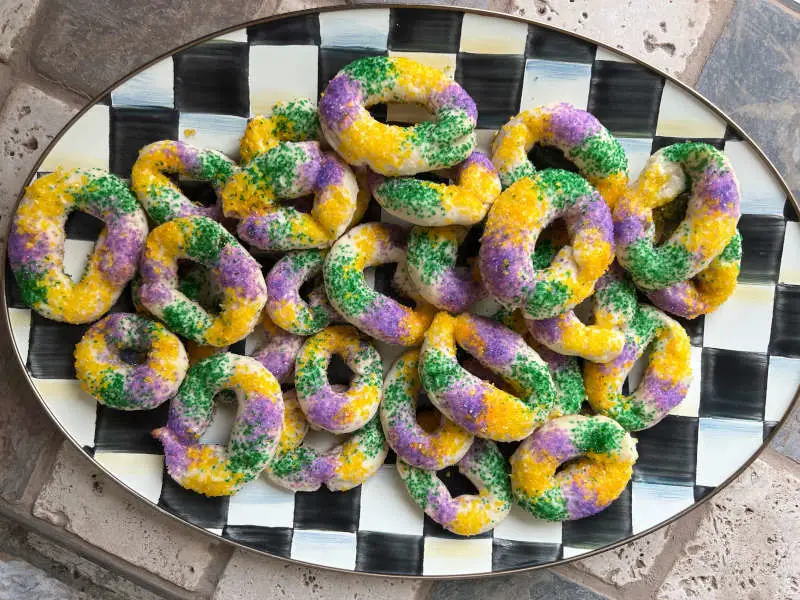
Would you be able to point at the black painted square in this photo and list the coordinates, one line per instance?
(423, 30)
(732, 134)
(625, 97)
(789, 212)
(762, 246)
(197, 509)
(389, 553)
(51, 347)
(733, 384)
(785, 339)
(129, 431)
(275, 540)
(83, 226)
(511, 554)
(13, 293)
(701, 491)
(213, 78)
(676, 467)
(294, 31)
(133, 128)
(607, 527)
(323, 509)
(495, 83)
(549, 44)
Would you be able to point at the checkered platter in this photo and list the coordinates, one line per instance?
(746, 356)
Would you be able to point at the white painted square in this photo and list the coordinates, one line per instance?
(220, 132)
(743, 322)
(606, 54)
(549, 81)
(443, 556)
(723, 445)
(84, 145)
(790, 260)
(214, 530)
(492, 35)
(143, 473)
(76, 257)
(263, 504)
(653, 503)
(220, 429)
(682, 115)
(281, 73)
(638, 151)
(520, 526)
(761, 192)
(783, 381)
(484, 138)
(690, 406)
(74, 409)
(572, 551)
(355, 28)
(326, 548)
(20, 319)
(153, 87)
(240, 35)
(386, 506)
(413, 113)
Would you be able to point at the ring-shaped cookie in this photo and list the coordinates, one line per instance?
(579, 135)
(707, 290)
(217, 470)
(287, 309)
(515, 221)
(286, 171)
(292, 121)
(388, 149)
(237, 274)
(433, 450)
(602, 452)
(613, 306)
(36, 244)
(325, 408)
(477, 405)
(463, 202)
(708, 227)
(160, 196)
(109, 379)
(301, 468)
(467, 514)
(431, 260)
(376, 314)
(665, 381)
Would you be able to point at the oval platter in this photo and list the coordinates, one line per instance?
(745, 356)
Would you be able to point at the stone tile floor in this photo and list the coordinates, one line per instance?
(68, 533)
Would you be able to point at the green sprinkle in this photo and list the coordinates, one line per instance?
(430, 254)
(596, 435)
(438, 371)
(374, 73)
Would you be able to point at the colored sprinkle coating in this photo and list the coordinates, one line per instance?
(431, 260)
(36, 244)
(435, 204)
(468, 514)
(444, 446)
(160, 196)
(567, 379)
(665, 381)
(285, 306)
(515, 221)
(477, 405)
(613, 307)
(388, 149)
(301, 468)
(598, 155)
(708, 227)
(233, 270)
(324, 407)
(378, 315)
(216, 470)
(601, 453)
(279, 350)
(112, 381)
(293, 121)
(707, 290)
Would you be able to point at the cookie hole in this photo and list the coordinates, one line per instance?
(82, 231)
(195, 282)
(667, 218)
(83, 226)
(547, 157)
(552, 238)
(133, 357)
(569, 464)
(303, 204)
(383, 278)
(308, 287)
(402, 113)
(219, 431)
(322, 440)
(199, 192)
(474, 367)
(636, 373)
(468, 249)
(429, 420)
(584, 311)
(338, 371)
(456, 483)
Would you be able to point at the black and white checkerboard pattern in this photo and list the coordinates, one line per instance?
(746, 356)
